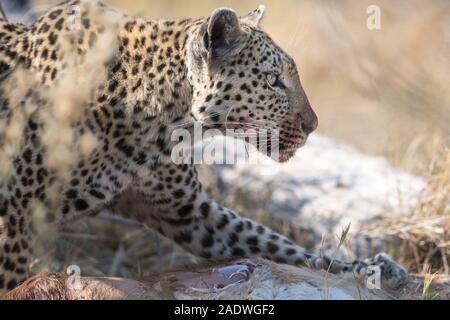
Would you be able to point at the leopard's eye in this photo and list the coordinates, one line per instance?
(272, 79)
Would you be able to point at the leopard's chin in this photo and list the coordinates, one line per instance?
(288, 150)
(286, 155)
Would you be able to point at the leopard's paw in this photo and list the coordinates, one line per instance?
(393, 275)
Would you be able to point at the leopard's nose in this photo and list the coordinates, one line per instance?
(310, 123)
(309, 119)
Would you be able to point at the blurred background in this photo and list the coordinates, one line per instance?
(384, 91)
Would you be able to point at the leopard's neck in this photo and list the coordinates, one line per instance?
(154, 66)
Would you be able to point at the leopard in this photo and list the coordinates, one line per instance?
(221, 71)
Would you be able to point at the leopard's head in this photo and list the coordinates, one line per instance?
(243, 80)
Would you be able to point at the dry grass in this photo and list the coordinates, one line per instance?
(424, 236)
(427, 290)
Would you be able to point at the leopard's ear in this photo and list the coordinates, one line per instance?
(254, 17)
(223, 37)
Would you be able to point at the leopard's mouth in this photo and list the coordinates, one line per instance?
(281, 149)
(279, 143)
(291, 139)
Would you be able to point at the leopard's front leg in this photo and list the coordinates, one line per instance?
(172, 202)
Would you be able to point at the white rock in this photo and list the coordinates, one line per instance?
(326, 185)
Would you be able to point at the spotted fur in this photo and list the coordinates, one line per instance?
(221, 70)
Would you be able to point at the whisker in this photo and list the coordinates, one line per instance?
(209, 116)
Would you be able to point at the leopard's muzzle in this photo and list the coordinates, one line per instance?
(295, 129)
